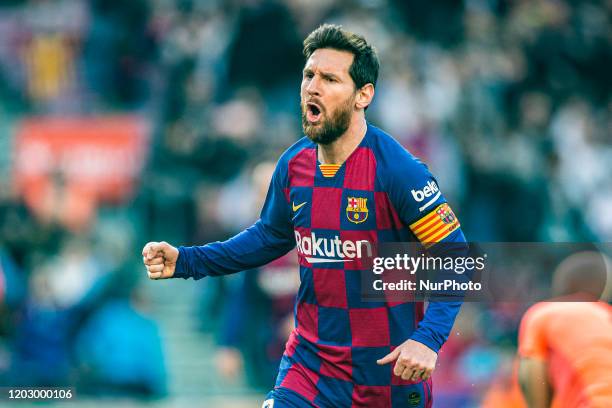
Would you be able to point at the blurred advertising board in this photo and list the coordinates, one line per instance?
(65, 167)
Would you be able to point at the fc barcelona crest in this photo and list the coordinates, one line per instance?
(357, 210)
(446, 214)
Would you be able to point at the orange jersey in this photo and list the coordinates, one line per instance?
(575, 338)
(504, 394)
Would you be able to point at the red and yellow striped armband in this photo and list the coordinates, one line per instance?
(435, 226)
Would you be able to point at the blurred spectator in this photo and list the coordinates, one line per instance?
(62, 292)
(265, 33)
(119, 353)
(257, 321)
(117, 50)
(509, 102)
(257, 316)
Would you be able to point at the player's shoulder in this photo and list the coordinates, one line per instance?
(393, 160)
(549, 319)
(566, 308)
(281, 172)
(543, 312)
(295, 149)
(540, 310)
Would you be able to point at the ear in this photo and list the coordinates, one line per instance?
(364, 96)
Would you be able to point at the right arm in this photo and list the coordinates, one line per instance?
(533, 379)
(533, 355)
(269, 238)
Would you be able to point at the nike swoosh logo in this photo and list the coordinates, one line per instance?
(297, 207)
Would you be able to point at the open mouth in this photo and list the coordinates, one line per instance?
(313, 112)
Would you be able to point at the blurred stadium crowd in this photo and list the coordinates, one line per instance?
(507, 101)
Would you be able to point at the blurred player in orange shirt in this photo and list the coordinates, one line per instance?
(565, 346)
(504, 391)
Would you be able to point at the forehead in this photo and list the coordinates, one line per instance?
(330, 61)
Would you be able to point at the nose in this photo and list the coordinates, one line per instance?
(312, 88)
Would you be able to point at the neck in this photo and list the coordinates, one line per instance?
(338, 151)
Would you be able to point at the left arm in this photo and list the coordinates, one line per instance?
(415, 194)
(416, 358)
(533, 355)
(269, 238)
(533, 378)
(440, 316)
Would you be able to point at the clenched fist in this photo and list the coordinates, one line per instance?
(160, 259)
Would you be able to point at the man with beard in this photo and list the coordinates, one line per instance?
(335, 194)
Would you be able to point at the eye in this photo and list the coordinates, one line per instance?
(308, 75)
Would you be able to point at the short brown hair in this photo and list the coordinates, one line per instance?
(364, 69)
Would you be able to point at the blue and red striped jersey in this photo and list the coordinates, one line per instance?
(380, 194)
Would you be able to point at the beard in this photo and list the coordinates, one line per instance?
(329, 129)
